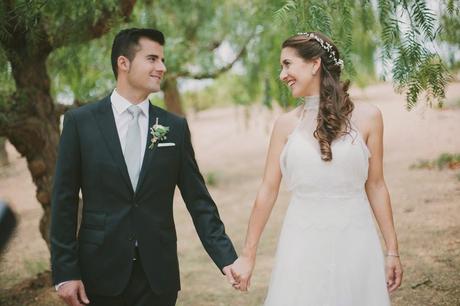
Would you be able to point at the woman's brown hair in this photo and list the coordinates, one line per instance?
(335, 106)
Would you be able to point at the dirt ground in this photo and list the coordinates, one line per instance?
(231, 152)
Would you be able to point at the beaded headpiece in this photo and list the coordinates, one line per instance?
(326, 46)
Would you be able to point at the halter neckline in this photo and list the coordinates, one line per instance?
(311, 102)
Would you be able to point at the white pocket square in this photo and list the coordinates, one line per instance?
(166, 144)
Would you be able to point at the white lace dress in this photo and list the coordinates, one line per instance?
(328, 252)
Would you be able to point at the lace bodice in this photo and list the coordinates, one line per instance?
(305, 173)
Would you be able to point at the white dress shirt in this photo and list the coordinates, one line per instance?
(122, 117)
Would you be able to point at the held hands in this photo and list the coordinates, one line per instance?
(241, 272)
(394, 273)
(73, 293)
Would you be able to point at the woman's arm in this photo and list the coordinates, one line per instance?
(379, 198)
(263, 205)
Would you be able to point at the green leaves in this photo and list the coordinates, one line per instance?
(430, 77)
(450, 23)
(408, 30)
(417, 69)
(404, 33)
(422, 18)
(282, 14)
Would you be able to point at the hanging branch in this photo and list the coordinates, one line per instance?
(417, 70)
(217, 72)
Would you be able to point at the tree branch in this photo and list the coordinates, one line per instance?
(217, 72)
(98, 28)
(60, 109)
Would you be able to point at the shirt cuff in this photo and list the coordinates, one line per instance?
(60, 285)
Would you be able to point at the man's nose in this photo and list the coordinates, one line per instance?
(162, 67)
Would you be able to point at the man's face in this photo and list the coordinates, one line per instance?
(147, 67)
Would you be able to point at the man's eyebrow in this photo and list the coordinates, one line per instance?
(154, 56)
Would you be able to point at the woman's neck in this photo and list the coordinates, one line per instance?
(311, 102)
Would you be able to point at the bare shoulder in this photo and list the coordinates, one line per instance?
(366, 117)
(366, 111)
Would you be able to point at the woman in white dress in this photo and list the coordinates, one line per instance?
(329, 151)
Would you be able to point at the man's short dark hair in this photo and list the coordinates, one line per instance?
(127, 40)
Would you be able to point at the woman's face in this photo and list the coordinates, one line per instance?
(301, 76)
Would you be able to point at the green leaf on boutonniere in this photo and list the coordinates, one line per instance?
(158, 133)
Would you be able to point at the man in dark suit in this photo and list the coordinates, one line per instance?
(125, 251)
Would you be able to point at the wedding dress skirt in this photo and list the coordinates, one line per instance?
(329, 251)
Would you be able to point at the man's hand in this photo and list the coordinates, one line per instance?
(242, 271)
(228, 274)
(73, 293)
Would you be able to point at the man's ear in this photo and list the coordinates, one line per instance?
(123, 64)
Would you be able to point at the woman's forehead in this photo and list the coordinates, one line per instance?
(288, 53)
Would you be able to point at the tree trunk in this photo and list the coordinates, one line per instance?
(35, 135)
(37, 141)
(3, 154)
(172, 96)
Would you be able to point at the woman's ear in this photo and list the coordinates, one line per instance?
(316, 65)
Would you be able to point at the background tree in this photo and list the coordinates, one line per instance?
(400, 35)
(29, 32)
(195, 30)
(450, 34)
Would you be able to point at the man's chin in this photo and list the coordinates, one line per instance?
(154, 89)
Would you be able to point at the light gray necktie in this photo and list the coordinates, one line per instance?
(132, 152)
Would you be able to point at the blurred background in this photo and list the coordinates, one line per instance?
(223, 66)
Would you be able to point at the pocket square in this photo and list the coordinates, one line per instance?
(166, 144)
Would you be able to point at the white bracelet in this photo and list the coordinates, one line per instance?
(393, 254)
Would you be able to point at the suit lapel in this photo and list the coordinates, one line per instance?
(149, 153)
(108, 128)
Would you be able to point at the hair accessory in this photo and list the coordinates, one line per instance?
(326, 46)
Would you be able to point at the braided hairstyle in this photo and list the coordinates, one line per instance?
(335, 106)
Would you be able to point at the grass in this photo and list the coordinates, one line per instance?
(445, 160)
(34, 267)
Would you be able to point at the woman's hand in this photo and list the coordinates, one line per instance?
(242, 271)
(394, 273)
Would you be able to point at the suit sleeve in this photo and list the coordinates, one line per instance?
(202, 208)
(64, 205)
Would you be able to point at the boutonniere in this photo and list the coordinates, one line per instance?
(158, 133)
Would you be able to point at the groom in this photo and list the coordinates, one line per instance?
(125, 251)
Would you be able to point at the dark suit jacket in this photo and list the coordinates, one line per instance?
(114, 216)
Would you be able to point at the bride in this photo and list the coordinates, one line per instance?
(329, 151)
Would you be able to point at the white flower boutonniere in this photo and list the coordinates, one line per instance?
(158, 133)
